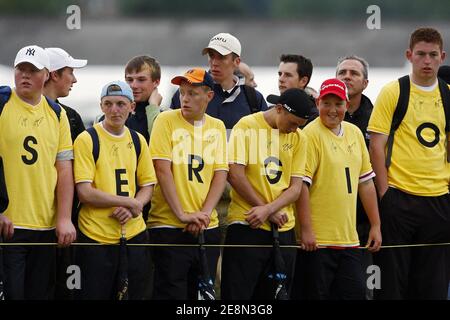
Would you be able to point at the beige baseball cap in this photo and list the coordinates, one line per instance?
(224, 43)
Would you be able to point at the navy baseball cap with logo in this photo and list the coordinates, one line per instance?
(295, 101)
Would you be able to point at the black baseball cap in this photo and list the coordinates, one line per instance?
(295, 101)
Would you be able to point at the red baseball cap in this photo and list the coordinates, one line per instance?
(334, 86)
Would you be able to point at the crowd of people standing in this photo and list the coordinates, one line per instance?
(339, 182)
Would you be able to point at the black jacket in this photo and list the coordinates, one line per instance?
(361, 117)
(75, 122)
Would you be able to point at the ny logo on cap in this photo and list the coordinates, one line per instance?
(190, 71)
(30, 52)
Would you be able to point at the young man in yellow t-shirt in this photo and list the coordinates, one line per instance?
(337, 170)
(267, 155)
(189, 153)
(113, 190)
(414, 189)
(37, 155)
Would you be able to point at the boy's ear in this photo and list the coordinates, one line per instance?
(133, 106)
(53, 76)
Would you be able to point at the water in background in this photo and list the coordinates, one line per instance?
(85, 94)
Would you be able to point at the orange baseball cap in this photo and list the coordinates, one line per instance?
(195, 76)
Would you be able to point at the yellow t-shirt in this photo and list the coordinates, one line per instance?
(418, 162)
(32, 138)
(195, 152)
(270, 158)
(114, 173)
(334, 168)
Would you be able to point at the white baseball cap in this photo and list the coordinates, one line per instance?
(59, 59)
(34, 55)
(224, 43)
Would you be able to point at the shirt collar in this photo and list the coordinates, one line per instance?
(237, 82)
